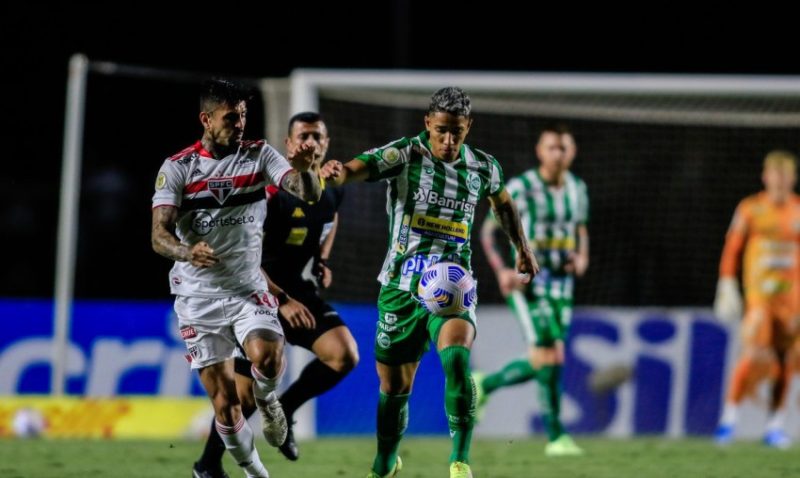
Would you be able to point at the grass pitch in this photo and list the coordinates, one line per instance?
(423, 458)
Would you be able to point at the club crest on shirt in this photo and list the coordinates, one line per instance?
(220, 188)
(474, 182)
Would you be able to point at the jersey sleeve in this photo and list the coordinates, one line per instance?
(734, 241)
(496, 181)
(387, 161)
(169, 184)
(516, 189)
(582, 214)
(275, 166)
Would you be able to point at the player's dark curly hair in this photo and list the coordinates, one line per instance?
(451, 99)
(220, 91)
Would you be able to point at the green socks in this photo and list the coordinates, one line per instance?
(459, 399)
(392, 423)
(550, 399)
(518, 371)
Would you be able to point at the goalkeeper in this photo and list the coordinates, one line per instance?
(766, 227)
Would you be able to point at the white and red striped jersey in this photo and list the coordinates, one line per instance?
(222, 202)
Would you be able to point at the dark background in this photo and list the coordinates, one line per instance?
(131, 125)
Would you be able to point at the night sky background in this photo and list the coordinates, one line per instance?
(153, 119)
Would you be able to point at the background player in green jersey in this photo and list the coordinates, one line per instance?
(554, 209)
(434, 183)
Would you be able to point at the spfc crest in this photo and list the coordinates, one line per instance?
(220, 188)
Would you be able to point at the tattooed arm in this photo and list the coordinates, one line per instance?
(304, 181)
(303, 184)
(165, 242)
(506, 215)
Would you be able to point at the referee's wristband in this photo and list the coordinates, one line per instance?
(283, 298)
(323, 262)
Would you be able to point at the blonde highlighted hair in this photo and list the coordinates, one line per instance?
(780, 158)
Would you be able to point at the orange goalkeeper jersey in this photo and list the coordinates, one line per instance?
(770, 236)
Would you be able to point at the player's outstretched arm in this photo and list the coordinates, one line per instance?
(337, 173)
(506, 215)
(166, 243)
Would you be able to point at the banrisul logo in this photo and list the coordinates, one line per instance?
(435, 199)
(220, 188)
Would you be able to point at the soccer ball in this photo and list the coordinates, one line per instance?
(447, 289)
(28, 423)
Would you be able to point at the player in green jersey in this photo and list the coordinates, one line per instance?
(554, 210)
(434, 184)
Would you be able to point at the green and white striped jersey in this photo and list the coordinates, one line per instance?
(431, 204)
(550, 216)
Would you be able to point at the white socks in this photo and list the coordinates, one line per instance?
(238, 440)
(263, 387)
(777, 420)
(730, 413)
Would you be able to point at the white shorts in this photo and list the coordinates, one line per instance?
(212, 327)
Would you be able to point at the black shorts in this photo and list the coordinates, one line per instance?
(325, 316)
(326, 319)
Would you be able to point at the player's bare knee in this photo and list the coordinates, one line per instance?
(395, 388)
(396, 380)
(270, 364)
(343, 360)
(265, 350)
(350, 359)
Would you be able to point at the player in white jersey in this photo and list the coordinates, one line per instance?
(208, 212)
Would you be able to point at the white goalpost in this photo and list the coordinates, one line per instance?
(68, 217)
(306, 84)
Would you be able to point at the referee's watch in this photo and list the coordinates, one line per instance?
(283, 298)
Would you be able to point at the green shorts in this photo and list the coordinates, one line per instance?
(544, 320)
(405, 327)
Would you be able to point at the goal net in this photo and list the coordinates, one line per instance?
(665, 158)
